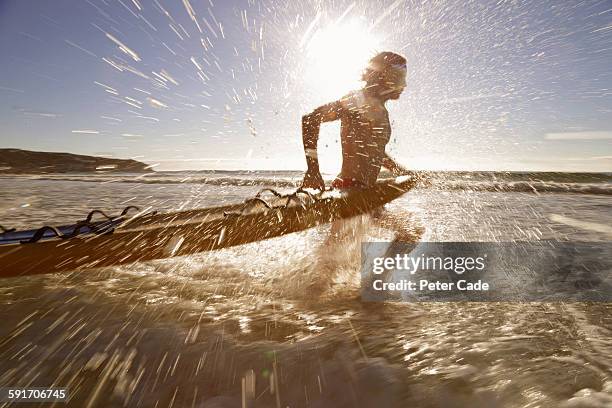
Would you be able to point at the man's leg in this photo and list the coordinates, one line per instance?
(405, 226)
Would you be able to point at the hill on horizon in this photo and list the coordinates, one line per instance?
(19, 161)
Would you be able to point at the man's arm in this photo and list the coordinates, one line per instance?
(311, 124)
(399, 170)
(393, 166)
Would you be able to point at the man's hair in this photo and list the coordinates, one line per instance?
(380, 63)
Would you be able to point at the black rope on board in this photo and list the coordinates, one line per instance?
(131, 207)
(100, 212)
(268, 190)
(290, 197)
(256, 200)
(296, 197)
(102, 227)
(108, 217)
(41, 232)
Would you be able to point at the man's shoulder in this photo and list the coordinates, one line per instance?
(353, 99)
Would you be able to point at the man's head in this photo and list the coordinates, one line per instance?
(386, 74)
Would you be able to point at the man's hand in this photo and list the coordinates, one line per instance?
(313, 179)
(395, 168)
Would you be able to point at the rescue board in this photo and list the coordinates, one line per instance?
(135, 236)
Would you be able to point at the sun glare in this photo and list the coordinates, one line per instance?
(336, 57)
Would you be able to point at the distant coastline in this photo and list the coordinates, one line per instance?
(18, 161)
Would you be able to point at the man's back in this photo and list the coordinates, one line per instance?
(365, 132)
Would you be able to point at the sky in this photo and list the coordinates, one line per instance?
(211, 84)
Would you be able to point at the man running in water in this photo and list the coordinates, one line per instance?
(365, 127)
(365, 132)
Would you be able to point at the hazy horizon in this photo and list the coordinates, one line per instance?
(450, 170)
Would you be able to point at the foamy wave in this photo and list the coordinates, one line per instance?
(535, 187)
(527, 187)
(217, 181)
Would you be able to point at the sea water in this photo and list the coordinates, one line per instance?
(280, 323)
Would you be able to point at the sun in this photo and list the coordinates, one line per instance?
(336, 56)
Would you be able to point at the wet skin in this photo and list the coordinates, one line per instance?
(365, 132)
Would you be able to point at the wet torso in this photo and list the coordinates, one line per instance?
(365, 132)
